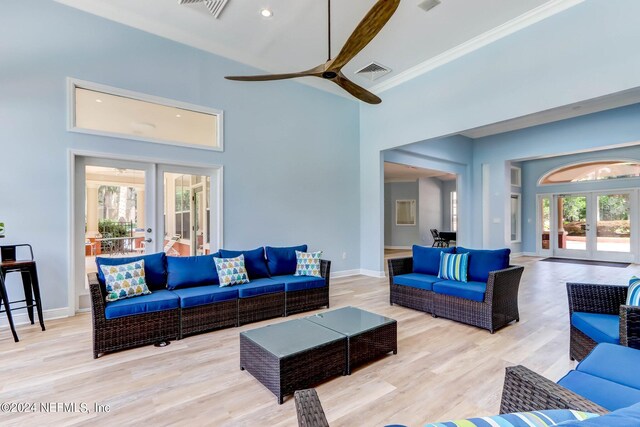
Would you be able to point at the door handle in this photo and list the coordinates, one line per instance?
(148, 240)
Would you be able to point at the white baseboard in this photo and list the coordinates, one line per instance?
(345, 273)
(399, 247)
(515, 254)
(23, 318)
(372, 273)
(530, 254)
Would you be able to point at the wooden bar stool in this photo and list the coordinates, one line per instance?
(31, 286)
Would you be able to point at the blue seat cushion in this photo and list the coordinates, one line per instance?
(254, 261)
(427, 260)
(259, 287)
(468, 290)
(155, 301)
(300, 283)
(598, 327)
(614, 363)
(484, 261)
(155, 268)
(624, 417)
(416, 280)
(608, 394)
(202, 295)
(282, 261)
(188, 271)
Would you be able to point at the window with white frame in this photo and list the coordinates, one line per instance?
(515, 217)
(454, 210)
(516, 176)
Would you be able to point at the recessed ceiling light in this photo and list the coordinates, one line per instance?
(427, 5)
(266, 13)
(98, 100)
(178, 115)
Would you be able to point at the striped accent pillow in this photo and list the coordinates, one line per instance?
(546, 418)
(453, 267)
(633, 294)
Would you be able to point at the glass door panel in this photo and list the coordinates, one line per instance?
(572, 232)
(544, 225)
(613, 225)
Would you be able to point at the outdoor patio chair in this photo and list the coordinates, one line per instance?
(168, 247)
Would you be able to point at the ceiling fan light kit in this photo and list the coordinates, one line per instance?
(366, 30)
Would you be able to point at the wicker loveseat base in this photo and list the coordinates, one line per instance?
(417, 299)
(305, 300)
(261, 307)
(209, 317)
(480, 314)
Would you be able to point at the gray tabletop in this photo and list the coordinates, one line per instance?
(291, 337)
(350, 320)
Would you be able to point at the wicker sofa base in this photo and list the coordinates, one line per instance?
(305, 300)
(261, 307)
(134, 331)
(475, 313)
(407, 296)
(209, 317)
(580, 345)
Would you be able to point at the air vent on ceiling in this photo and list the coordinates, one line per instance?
(427, 5)
(215, 7)
(373, 71)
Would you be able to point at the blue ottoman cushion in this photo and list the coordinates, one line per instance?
(416, 280)
(468, 290)
(259, 287)
(202, 295)
(282, 261)
(599, 327)
(300, 283)
(155, 301)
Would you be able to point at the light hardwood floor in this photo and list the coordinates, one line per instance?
(443, 369)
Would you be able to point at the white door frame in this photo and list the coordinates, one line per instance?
(216, 173)
(539, 251)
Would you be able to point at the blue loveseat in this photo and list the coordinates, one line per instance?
(186, 297)
(489, 299)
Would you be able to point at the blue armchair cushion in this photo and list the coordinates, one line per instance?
(483, 261)
(598, 327)
(202, 295)
(282, 261)
(186, 272)
(614, 363)
(156, 301)
(625, 417)
(300, 283)
(608, 394)
(155, 268)
(545, 418)
(427, 260)
(254, 261)
(470, 290)
(416, 280)
(259, 287)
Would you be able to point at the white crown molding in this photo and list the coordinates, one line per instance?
(531, 17)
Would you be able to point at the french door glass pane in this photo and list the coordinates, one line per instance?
(572, 222)
(613, 229)
(545, 221)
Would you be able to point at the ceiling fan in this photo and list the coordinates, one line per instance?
(366, 30)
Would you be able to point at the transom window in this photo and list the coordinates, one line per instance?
(593, 171)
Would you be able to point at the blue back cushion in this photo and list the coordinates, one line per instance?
(427, 260)
(189, 271)
(483, 261)
(155, 268)
(254, 261)
(282, 261)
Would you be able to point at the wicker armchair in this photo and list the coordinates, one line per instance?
(130, 331)
(523, 391)
(499, 308)
(602, 299)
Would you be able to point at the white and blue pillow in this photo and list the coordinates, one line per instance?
(231, 271)
(545, 418)
(124, 280)
(453, 267)
(633, 294)
(308, 264)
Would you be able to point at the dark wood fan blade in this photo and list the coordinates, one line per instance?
(366, 30)
(355, 90)
(268, 77)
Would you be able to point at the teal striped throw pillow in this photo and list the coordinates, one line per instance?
(453, 267)
(545, 418)
(633, 294)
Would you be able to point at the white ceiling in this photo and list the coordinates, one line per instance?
(399, 172)
(295, 38)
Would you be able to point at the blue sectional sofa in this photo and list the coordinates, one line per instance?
(186, 297)
(489, 299)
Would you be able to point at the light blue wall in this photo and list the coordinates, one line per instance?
(576, 55)
(291, 151)
(400, 235)
(533, 170)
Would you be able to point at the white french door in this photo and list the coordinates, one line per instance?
(592, 225)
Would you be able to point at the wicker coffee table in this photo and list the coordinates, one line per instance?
(369, 335)
(292, 355)
(300, 353)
